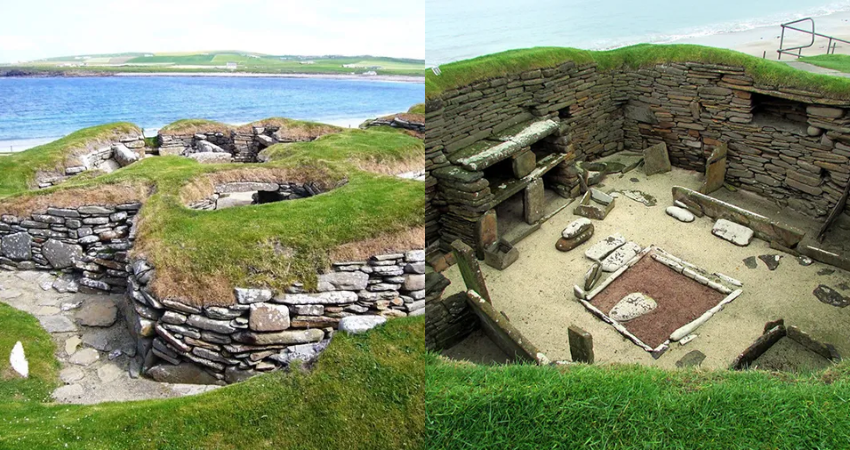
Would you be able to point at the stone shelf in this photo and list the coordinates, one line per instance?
(506, 190)
(484, 154)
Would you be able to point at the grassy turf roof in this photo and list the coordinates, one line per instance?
(461, 73)
(189, 126)
(365, 392)
(201, 255)
(834, 62)
(18, 170)
(634, 407)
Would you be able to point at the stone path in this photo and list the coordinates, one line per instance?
(92, 342)
(816, 69)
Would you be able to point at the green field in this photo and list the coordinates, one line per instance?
(217, 61)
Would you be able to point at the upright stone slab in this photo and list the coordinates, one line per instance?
(17, 247)
(523, 163)
(656, 159)
(486, 233)
(581, 345)
(469, 269)
(61, 255)
(533, 199)
(715, 170)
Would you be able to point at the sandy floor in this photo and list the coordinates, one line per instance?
(536, 291)
(765, 40)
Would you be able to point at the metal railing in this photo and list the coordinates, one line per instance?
(830, 47)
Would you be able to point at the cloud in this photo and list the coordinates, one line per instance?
(43, 28)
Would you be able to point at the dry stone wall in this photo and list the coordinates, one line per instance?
(789, 145)
(111, 156)
(265, 193)
(263, 330)
(241, 145)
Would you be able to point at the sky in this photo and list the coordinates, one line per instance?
(35, 29)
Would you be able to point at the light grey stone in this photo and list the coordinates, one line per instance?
(680, 214)
(620, 256)
(360, 324)
(732, 232)
(632, 306)
(84, 357)
(248, 296)
(68, 394)
(288, 337)
(71, 374)
(605, 247)
(211, 157)
(57, 324)
(17, 247)
(97, 312)
(61, 255)
(268, 317)
(413, 282)
(324, 298)
(204, 323)
(123, 155)
(342, 281)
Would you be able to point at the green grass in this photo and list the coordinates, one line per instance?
(38, 348)
(773, 73)
(417, 109)
(840, 63)
(17, 171)
(366, 392)
(193, 126)
(209, 61)
(633, 407)
(202, 255)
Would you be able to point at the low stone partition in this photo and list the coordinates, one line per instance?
(107, 158)
(449, 320)
(92, 241)
(404, 122)
(500, 330)
(264, 330)
(763, 227)
(265, 193)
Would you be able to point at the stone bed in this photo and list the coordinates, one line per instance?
(89, 248)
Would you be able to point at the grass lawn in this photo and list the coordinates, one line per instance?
(366, 392)
(633, 407)
(202, 255)
(38, 347)
(840, 63)
(774, 73)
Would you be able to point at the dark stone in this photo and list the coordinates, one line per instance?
(183, 373)
(830, 296)
(692, 359)
(581, 345)
(634, 180)
(771, 261)
(826, 272)
(751, 262)
(17, 247)
(656, 159)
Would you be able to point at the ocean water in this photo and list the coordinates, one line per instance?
(37, 110)
(462, 30)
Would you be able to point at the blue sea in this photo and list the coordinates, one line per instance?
(37, 110)
(461, 30)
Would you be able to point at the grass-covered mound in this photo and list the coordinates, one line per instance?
(18, 170)
(201, 255)
(365, 392)
(192, 126)
(840, 63)
(294, 129)
(634, 407)
(774, 73)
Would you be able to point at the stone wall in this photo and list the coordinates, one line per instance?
(90, 241)
(264, 330)
(789, 145)
(179, 342)
(242, 144)
(108, 157)
(269, 191)
(447, 320)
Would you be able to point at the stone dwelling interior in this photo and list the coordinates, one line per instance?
(681, 215)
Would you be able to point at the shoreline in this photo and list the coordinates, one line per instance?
(764, 41)
(328, 76)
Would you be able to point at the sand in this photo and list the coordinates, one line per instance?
(764, 41)
(536, 291)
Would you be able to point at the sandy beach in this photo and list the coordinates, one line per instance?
(764, 41)
(327, 76)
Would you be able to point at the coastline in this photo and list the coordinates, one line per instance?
(764, 41)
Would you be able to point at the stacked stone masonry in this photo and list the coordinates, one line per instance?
(268, 191)
(107, 158)
(237, 145)
(261, 331)
(789, 145)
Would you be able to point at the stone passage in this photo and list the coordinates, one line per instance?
(254, 193)
(124, 151)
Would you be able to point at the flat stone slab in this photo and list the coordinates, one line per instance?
(620, 256)
(84, 357)
(68, 394)
(639, 196)
(71, 374)
(732, 232)
(680, 214)
(109, 372)
(360, 324)
(692, 359)
(751, 262)
(605, 247)
(576, 227)
(97, 312)
(57, 324)
(632, 306)
(656, 159)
